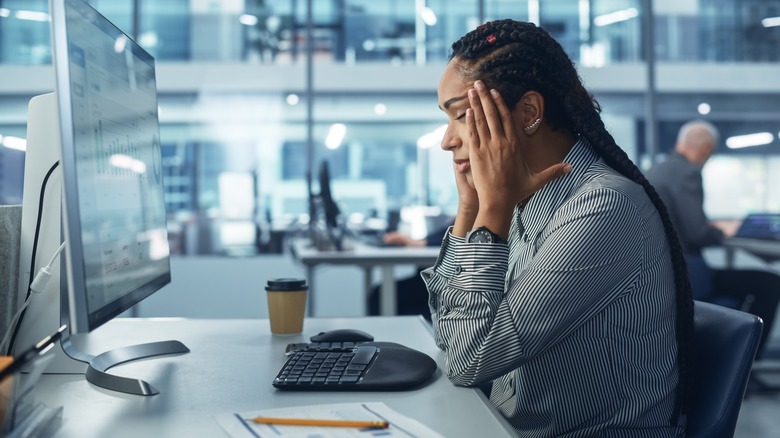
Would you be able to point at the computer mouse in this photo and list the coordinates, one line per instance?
(342, 335)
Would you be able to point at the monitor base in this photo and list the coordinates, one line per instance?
(97, 375)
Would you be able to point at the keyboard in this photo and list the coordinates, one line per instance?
(327, 365)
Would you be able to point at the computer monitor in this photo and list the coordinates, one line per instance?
(325, 229)
(104, 164)
(329, 207)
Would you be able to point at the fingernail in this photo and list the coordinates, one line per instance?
(479, 85)
(567, 169)
(472, 93)
(494, 92)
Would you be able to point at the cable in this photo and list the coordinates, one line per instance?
(36, 287)
(44, 275)
(16, 317)
(17, 324)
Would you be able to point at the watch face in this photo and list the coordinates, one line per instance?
(480, 236)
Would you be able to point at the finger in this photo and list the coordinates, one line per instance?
(553, 172)
(473, 135)
(504, 113)
(492, 115)
(479, 116)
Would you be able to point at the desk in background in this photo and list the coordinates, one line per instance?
(366, 257)
(766, 250)
(230, 369)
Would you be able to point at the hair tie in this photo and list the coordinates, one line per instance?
(491, 38)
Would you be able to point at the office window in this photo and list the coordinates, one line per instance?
(165, 29)
(120, 12)
(24, 32)
(516, 10)
(736, 185)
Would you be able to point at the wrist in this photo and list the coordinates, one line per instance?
(464, 221)
(497, 221)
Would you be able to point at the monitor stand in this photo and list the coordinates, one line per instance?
(97, 375)
(48, 308)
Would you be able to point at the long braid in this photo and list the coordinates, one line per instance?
(515, 57)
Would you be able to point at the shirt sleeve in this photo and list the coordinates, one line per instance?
(587, 255)
(695, 228)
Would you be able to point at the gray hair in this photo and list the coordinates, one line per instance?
(696, 132)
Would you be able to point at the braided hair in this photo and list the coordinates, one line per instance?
(515, 57)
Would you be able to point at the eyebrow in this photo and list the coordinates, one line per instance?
(449, 102)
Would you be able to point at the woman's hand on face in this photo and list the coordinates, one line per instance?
(467, 196)
(501, 175)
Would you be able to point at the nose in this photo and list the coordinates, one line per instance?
(450, 140)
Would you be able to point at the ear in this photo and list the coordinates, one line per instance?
(530, 111)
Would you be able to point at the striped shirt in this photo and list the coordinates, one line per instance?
(574, 319)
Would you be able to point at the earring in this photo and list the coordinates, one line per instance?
(532, 126)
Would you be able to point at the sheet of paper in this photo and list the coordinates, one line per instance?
(238, 424)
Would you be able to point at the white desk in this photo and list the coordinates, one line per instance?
(367, 257)
(230, 369)
(767, 250)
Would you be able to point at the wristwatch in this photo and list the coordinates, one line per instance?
(483, 235)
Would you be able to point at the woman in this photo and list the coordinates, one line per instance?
(562, 281)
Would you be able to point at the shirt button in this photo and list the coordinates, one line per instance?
(458, 269)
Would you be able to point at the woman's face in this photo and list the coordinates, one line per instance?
(453, 100)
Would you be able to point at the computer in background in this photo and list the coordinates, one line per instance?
(762, 226)
(94, 191)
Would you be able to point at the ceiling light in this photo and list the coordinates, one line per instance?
(148, 39)
(616, 17)
(335, 135)
(293, 99)
(704, 108)
(32, 15)
(770, 22)
(428, 16)
(20, 144)
(748, 140)
(248, 20)
(380, 109)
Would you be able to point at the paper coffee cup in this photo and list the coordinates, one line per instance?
(286, 305)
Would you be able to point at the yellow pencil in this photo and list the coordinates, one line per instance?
(320, 422)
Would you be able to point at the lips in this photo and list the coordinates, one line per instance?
(462, 166)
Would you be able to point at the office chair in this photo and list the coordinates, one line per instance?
(757, 292)
(725, 345)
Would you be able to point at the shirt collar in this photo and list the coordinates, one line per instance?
(546, 201)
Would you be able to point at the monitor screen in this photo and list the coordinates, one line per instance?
(114, 214)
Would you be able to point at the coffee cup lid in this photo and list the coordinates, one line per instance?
(286, 284)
